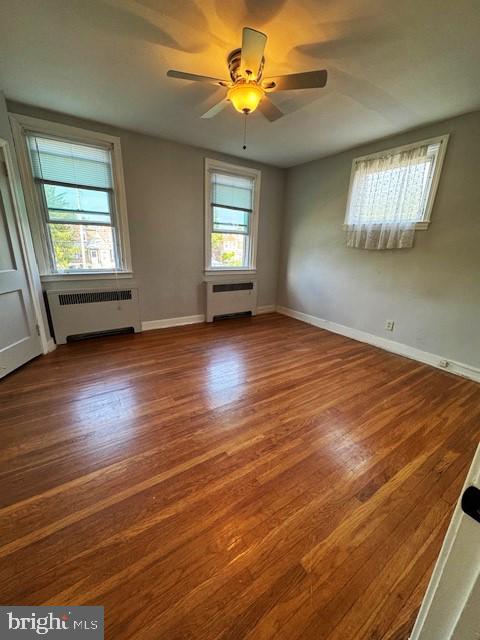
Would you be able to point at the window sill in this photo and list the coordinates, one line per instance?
(93, 275)
(223, 274)
(419, 226)
(422, 225)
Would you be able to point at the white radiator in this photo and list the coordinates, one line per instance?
(79, 312)
(227, 298)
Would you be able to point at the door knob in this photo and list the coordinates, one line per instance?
(471, 503)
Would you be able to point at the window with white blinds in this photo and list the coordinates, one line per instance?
(75, 188)
(231, 216)
(75, 197)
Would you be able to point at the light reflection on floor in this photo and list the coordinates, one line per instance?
(225, 375)
(95, 409)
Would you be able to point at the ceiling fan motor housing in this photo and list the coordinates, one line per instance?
(234, 61)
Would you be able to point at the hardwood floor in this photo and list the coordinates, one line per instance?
(254, 478)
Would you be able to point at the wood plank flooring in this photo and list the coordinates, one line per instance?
(255, 478)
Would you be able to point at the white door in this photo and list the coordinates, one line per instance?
(451, 607)
(19, 340)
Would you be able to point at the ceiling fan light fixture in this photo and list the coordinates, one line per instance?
(245, 96)
(247, 90)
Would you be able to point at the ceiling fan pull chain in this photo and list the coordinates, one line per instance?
(245, 131)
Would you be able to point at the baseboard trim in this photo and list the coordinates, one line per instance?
(148, 325)
(458, 368)
(267, 308)
(51, 346)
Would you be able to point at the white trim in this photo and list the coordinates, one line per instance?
(26, 247)
(458, 368)
(51, 346)
(20, 124)
(419, 226)
(228, 271)
(230, 276)
(88, 275)
(266, 308)
(57, 129)
(441, 140)
(445, 561)
(148, 325)
(404, 147)
(256, 174)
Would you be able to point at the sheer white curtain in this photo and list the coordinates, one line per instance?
(388, 196)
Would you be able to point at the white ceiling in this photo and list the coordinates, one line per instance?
(393, 65)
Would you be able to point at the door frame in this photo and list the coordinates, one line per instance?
(440, 573)
(26, 247)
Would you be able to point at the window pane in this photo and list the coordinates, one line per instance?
(60, 197)
(228, 250)
(233, 191)
(77, 205)
(397, 193)
(230, 220)
(64, 161)
(79, 246)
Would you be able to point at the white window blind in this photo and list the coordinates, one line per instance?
(231, 203)
(70, 163)
(389, 194)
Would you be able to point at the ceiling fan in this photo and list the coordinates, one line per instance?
(247, 89)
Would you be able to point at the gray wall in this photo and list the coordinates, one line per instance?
(165, 196)
(431, 291)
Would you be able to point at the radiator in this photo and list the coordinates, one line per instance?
(91, 311)
(227, 298)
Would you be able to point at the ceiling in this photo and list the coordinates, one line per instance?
(393, 65)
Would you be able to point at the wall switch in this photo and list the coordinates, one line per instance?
(444, 364)
(389, 324)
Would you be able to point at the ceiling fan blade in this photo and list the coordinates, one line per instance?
(171, 73)
(212, 112)
(253, 46)
(307, 80)
(269, 110)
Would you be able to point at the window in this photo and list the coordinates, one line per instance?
(231, 216)
(75, 197)
(396, 186)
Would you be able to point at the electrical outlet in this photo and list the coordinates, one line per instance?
(444, 364)
(389, 324)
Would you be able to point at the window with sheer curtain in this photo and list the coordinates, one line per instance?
(391, 195)
(231, 215)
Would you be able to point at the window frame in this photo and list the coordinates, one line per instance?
(242, 171)
(21, 126)
(442, 140)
